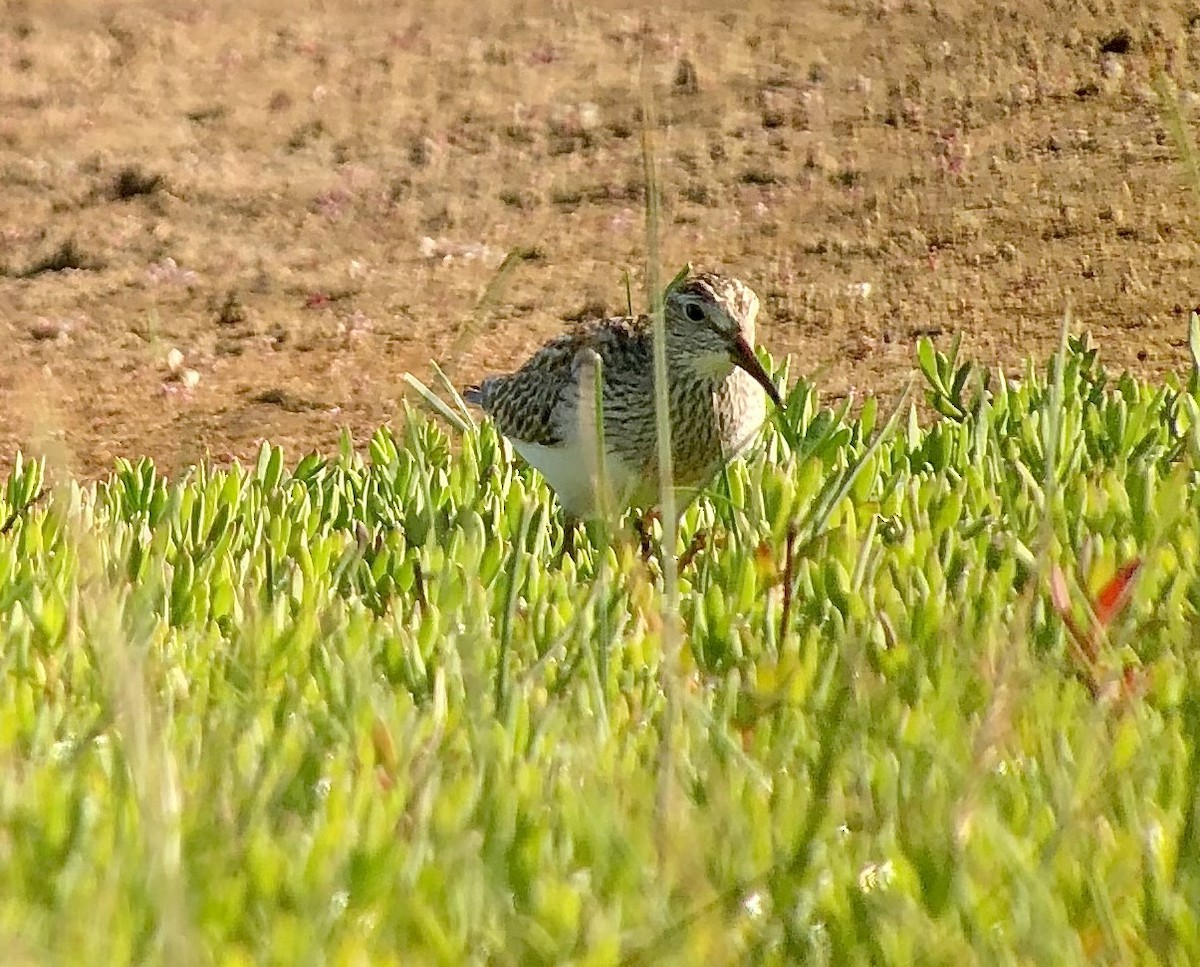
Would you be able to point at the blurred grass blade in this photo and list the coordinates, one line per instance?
(454, 394)
(1173, 121)
(837, 487)
(437, 404)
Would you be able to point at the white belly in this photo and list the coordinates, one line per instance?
(569, 472)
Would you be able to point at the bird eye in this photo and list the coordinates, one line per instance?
(694, 312)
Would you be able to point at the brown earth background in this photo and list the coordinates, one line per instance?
(228, 222)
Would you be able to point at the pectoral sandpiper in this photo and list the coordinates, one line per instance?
(717, 391)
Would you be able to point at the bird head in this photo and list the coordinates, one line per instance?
(711, 319)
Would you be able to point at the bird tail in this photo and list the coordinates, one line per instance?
(473, 395)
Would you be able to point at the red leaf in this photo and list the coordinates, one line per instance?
(1115, 594)
(1135, 682)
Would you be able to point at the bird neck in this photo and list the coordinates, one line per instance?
(708, 367)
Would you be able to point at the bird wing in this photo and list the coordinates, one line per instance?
(537, 403)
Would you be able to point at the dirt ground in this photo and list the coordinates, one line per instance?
(223, 222)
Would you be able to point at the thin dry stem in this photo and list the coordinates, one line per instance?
(671, 632)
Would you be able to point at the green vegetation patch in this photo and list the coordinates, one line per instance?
(935, 701)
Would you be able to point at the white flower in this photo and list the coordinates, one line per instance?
(753, 905)
(338, 903)
(876, 876)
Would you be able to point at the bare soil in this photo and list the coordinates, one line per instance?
(227, 222)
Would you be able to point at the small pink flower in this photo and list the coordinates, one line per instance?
(167, 272)
(405, 39)
(543, 54)
(332, 203)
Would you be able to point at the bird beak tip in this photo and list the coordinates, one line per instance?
(745, 358)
